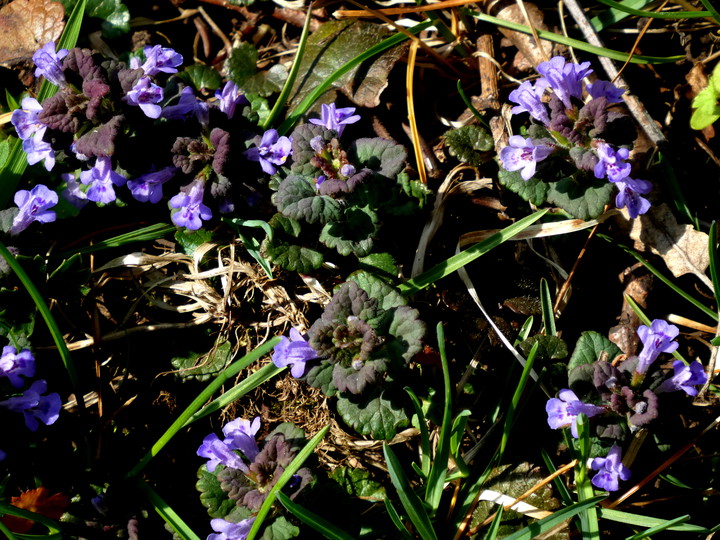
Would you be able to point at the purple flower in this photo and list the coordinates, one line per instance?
(219, 452)
(521, 153)
(101, 179)
(190, 209)
(48, 63)
(230, 531)
(186, 106)
(148, 187)
(294, 352)
(34, 206)
(529, 99)
(229, 98)
(685, 378)
(13, 364)
(240, 435)
(336, 119)
(159, 59)
(26, 120)
(657, 338)
(270, 151)
(146, 95)
(605, 89)
(39, 150)
(629, 195)
(564, 78)
(563, 411)
(610, 470)
(3, 455)
(73, 193)
(610, 163)
(35, 406)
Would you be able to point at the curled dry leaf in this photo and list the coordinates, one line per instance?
(526, 43)
(27, 25)
(684, 250)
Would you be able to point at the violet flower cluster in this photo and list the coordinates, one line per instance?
(576, 131)
(294, 352)
(139, 131)
(35, 404)
(627, 391)
(246, 472)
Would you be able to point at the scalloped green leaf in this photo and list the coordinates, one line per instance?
(407, 331)
(212, 497)
(321, 376)
(302, 152)
(296, 198)
(705, 103)
(258, 111)
(280, 529)
(266, 82)
(387, 296)
(375, 414)
(201, 76)
(584, 199)
(534, 190)
(290, 256)
(358, 483)
(382, 265)
(589, 347)
(549, 347)
(355, 234)
(381, 155)
(191, 240)
(470, 144)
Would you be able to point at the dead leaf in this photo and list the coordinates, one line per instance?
(526, 43)
(684, 250)
(27, 25)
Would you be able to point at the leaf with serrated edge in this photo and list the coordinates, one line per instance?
(212, 496)
(380, 155)
(533, 190)
(357, 483)
(297, 199)
(585, 199)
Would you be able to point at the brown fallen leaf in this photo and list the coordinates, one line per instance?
(27, 25)
(684, 250)
(526, 44)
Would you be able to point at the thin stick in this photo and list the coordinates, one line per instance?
(566, 285)
(411, 112)
(525, 495)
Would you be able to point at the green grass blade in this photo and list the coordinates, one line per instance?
(637, 520)
(612, 16)
(424, 435)
(525, 330)
(8, 534)
(167, 513)
(52, 325)
(17, 162)
(495, 525)
(714, 263)
(306, 103)
(409, 499)
(253, 381)
(321, 525)
(151, 232)
(589, 525)
(576, 43)
(654, 271)
(395, 518)
(52, 526)
(522, 383)
(545, 524)
(655, 14)
(547, 309)
(285, 477)
(659, 527)
(557, 482)
(436, 479)
(200, 400)
(712, 9)
(287, 87)
(449, 266)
